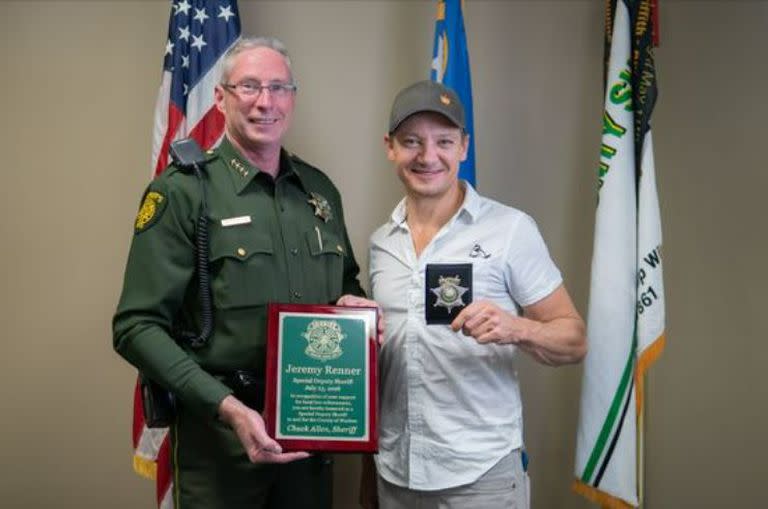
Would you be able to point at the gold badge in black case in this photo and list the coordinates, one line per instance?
(448, 290)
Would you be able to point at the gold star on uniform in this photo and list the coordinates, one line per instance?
(322, 207)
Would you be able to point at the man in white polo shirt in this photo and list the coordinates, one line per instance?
(464, 283)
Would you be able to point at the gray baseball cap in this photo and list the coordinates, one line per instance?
(426, 96)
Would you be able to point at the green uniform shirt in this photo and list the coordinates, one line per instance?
(281, 240)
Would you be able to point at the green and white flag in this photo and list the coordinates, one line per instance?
(625, 323)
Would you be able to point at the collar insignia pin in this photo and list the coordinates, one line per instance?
(238, 166)
(478, 251)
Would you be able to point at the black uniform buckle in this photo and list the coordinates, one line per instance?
(248, 388)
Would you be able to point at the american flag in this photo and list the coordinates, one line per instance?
(199, 32)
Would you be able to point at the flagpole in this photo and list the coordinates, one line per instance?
(641, 448)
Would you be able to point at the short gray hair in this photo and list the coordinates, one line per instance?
(247, 43)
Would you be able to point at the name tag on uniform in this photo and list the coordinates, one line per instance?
(234, 221)
(448, 290)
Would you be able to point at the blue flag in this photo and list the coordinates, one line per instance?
(450, 66)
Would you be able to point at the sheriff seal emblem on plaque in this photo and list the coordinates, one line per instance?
(449, 292)
(324, 338)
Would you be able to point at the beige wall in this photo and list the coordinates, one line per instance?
(78, 88)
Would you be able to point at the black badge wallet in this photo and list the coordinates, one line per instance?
(447, 291)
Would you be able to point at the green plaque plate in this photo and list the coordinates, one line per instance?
(321, 386)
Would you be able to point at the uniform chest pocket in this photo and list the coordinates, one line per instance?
(242, 266)
(325, 273)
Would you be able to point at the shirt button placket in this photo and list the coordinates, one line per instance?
(415, 382)
(289, 240)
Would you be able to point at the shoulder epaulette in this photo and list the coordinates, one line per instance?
(210, 155)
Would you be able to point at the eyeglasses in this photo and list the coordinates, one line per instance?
(254, 88)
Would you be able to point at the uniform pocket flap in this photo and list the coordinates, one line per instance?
(240, 242)
(324, 242)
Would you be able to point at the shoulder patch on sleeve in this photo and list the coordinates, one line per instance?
(151, 210)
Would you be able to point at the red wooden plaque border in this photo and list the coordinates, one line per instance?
(369, 445)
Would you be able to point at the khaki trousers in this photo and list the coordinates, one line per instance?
(504, 486)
